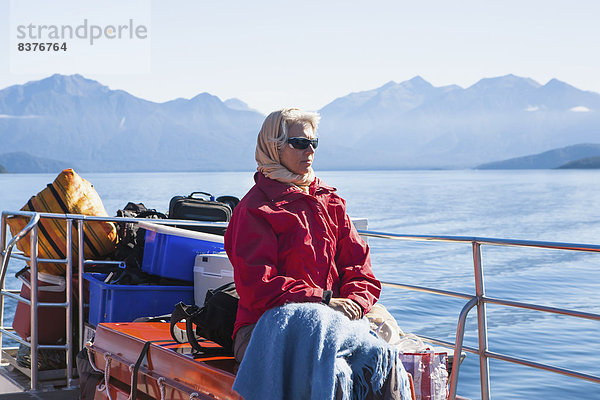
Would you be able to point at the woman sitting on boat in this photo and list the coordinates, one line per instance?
(291, 241)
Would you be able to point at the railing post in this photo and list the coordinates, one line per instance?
(2, 275)
(69, 301)
(33, 309)
(484, 374)
(458, 346)
(80, 278)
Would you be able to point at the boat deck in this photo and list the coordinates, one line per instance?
(15, 383)
(66, 394)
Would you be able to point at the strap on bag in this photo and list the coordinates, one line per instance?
(190, 314)
(185, 313)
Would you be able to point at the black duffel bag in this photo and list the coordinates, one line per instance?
(202, 206)
(214, 321)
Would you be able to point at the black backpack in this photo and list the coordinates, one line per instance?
(214, 321)
(130, 247)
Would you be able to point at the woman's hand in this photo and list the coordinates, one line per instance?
(347, 307)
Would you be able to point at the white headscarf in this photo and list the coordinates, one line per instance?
(267, 153)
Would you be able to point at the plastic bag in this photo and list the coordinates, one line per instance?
(429, 372)
(427, 366)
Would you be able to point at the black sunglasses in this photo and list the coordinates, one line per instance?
(302, 143)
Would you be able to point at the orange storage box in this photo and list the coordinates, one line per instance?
(168, 367)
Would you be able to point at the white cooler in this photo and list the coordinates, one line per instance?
(210, 272)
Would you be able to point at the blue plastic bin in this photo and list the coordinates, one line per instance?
(170, 252)
(124, 303)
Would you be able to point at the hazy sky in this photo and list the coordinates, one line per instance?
(306, 53)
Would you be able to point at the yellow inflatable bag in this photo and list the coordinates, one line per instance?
(68, 194)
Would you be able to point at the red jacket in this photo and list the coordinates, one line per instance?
(287, 246)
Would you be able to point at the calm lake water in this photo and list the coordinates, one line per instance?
(549, 205)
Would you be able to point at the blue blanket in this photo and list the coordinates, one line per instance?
(301, 351)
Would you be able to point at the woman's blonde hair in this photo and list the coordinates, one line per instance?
(293, 116)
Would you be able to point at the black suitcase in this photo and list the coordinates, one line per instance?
(206, 208)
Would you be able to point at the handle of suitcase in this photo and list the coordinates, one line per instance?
(210, 196)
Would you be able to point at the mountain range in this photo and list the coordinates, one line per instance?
(416, 125)
(74, 119)
(584, 163)
(411, 124)
(22, 162)
(566, 157)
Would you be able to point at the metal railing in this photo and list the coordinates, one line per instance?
(33, 260)
(480, 300)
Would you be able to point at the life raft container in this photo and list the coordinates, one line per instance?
(142, 355)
